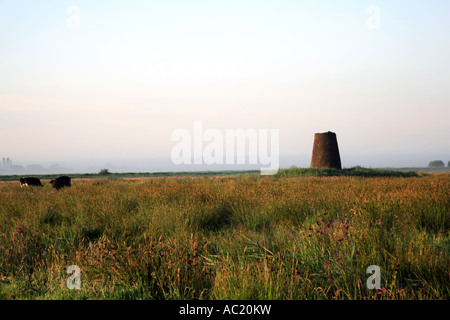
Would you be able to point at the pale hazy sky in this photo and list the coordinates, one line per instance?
(113, 79)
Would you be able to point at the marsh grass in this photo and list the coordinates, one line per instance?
(243, 237)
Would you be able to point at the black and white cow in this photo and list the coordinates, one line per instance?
(30, 181)
(61, 182)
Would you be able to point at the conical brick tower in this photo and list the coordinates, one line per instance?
(325, 151)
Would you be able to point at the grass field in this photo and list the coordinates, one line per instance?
(236, 237)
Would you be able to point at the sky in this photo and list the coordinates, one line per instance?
(94, 83)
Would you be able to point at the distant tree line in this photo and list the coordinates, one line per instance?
(104, 172)
(438, 164)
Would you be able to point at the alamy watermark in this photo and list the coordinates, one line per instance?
(374, 281)
(74, 281)
(74, 19)
(228, 148)
(374, 20)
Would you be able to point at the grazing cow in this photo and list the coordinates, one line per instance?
(30, 181)
(61, 182)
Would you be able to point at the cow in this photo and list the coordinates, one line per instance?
(30, 181)
(61, 182)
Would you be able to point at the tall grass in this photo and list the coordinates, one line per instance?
(242, 237)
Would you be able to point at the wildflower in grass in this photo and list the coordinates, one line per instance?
(381, 291)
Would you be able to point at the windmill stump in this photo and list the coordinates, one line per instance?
(325, 151)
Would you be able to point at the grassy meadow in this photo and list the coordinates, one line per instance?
(236, 237)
